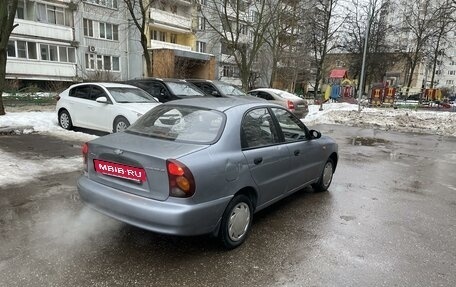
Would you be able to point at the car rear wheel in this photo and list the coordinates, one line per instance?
(65, 120)
(236, 221)
(120, 124)
(326, 177)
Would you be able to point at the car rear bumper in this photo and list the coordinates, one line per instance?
(159, 216)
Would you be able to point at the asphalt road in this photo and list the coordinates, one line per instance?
(389, 219)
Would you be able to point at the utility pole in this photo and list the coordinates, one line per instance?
(363, 65)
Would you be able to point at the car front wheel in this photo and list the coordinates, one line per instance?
(65, 120)
(236, 221)
(326, 177)
(120, 124)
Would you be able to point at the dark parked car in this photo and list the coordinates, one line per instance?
(167, 89)
(217, 88)
(204, 165)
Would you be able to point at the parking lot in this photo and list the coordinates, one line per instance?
(389, 219)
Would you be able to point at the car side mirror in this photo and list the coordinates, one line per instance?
(215, 94)
(155, 98)
(102, 100)
(314, 134)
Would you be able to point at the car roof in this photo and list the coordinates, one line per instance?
(219, 104)
(157, 79)
(105, 84)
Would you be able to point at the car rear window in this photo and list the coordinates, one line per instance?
(180, 123)
(287, 95)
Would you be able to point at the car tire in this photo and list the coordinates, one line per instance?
(236, 221)
(120, 124)
(326, 176)
(65, 120)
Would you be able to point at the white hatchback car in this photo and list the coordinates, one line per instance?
(108, 107)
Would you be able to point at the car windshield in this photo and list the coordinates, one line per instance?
(180, 123)
(183, 89)
(130, 95)
(228, 89)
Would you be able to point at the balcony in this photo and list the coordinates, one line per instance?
(170, 21)
(39, 70)
(154, 44)
(43, 30)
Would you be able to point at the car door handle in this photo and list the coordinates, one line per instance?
(258, 160)
(297, 152)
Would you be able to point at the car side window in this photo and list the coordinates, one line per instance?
(209, 89)
(292, 128)
(158, 90)
(97, 92)
(265, 96)
(258, 129)
(81, 92)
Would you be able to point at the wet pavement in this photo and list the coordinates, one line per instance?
(389, 219)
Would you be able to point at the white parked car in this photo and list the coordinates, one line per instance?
(108, 107)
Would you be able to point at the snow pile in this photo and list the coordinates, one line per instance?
(407, 120)
(41, 122)
(20, 170)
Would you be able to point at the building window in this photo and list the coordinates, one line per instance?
(44, 52)
(102, 62)
(21, 49)
(230, 71)
(201, 47)
(201, 23)
(163, 36)
(450, 82)
(31, 48)
(158, 35)
(11, 49)
(20, 12)
(451, 73)
(106, 3)
(88, 27)
(54, 15)
(28, 50)
(173, 38)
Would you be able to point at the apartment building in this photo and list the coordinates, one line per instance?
(106, 41)
(71, 41)
(173, 44)
(210, 12)
(445, 74)
(43, 47)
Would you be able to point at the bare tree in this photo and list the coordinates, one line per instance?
(139, 13)
(7, 13)
(420, 17)
(379, 57)
(445, 23)
(242, 34)
(323, 25)
(285, 47)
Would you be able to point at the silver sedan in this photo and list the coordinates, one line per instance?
(200, 166)
(293, 103)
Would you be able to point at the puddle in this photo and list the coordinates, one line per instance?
(366, 141)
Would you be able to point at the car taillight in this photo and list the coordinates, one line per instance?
(290, 105)
(85, 152)
(181, 182)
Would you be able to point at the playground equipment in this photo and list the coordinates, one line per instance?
(340, 88)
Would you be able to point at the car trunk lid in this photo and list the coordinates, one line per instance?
(135, 164)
